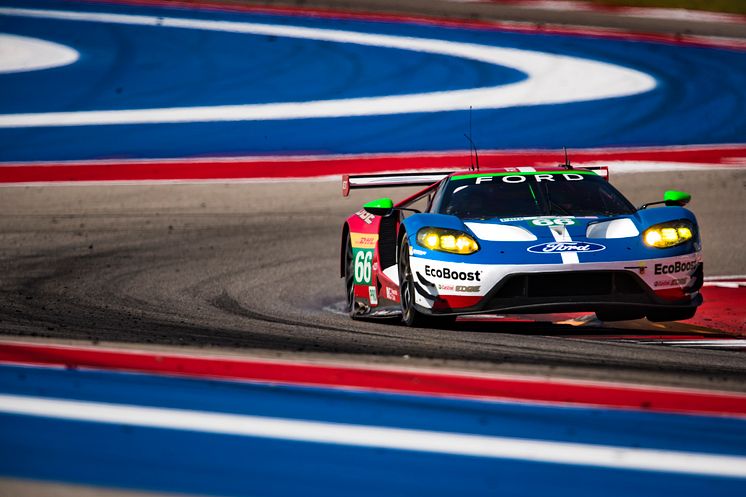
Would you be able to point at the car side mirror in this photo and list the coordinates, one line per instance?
(382, 207)
(671, 198)
(674, 197)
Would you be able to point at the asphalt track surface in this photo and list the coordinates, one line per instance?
(253, 267)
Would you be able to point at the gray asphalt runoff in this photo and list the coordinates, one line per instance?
(253, 268)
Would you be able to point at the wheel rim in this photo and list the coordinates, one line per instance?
(349, 279)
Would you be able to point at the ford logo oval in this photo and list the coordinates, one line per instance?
(565, 247)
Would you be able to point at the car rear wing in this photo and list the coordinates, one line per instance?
(350, 182)
(602, 171)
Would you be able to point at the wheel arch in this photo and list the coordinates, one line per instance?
(399, 237)
(343, 248)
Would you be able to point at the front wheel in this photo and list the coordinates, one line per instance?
(410, 316)
(349, 280)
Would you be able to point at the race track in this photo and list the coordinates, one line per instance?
(255, 267)
(170, 220)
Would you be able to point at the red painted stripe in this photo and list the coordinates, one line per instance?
(318, 166)
(723, 309)
(512, 26)
(385, 380)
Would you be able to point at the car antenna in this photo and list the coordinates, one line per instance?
(567, 164)
(473, 148)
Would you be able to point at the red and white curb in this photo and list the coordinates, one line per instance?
(331, 167)
(438, 383)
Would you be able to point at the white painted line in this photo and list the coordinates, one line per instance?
(733, 281)
(725, 284)
(379, 437)
(22, 54)
(725, 278)
(552, 79)
(652, 166)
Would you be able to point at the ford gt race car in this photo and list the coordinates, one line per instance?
(519, 240)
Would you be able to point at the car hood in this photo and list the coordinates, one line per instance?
(539, 240)
(553, 228)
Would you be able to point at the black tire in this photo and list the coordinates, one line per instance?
(349, 280)
(410, 316)
(671, 315)
(619, 315)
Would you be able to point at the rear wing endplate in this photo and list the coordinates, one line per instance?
(350, 182)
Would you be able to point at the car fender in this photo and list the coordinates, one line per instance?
(649, 217)
(416, 222)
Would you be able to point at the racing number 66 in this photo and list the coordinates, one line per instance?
(363, 267)
(560, 221)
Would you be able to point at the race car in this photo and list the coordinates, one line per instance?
(518, 240)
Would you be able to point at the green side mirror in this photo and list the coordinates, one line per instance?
(381, 207)
(674, 197)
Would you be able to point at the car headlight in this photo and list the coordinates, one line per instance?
(455, 242)
(669, 234)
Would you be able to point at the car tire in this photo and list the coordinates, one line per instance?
(671, 315)
(410, 315)
(349, 279)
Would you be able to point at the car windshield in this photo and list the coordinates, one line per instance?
(565, 193)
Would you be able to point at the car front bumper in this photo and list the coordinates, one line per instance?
(461, 288)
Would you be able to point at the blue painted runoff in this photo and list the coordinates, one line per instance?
(123, 67)
(165, 460)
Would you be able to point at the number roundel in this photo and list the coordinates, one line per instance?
(363, 266)
(561, 221)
